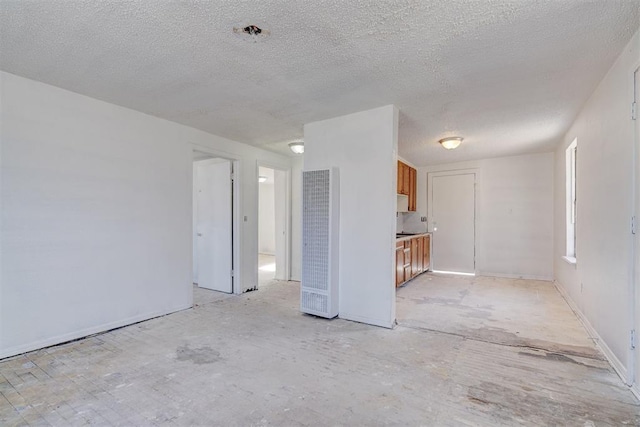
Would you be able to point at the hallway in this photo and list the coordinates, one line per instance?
(467, 351)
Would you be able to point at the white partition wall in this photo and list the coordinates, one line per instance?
(363, 146)
(600, 284)
(96, 214)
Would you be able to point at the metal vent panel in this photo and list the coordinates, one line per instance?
(313, 302)
(315, 229)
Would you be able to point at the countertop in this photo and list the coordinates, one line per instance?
(403, 238)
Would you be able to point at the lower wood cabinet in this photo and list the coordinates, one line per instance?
(413, 257)
(426, 252)
(399, 262)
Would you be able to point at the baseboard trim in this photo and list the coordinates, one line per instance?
(615, 363)
(360, 319)
(71, 336)
(636, 391)
(516, 276)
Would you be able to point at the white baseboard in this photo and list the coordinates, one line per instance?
(48, 342)
(375, 322)
(636, 391)
(516, 276)
(615, 363)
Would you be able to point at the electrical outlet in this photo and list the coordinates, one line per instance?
(423, 219)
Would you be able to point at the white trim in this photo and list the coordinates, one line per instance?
(516, 276)
(635, 390)
(453, 273)
(288, 211)
(570, 260)
(83, 333)
(237, 216)
(374, 322)
(571, 178)
(593, 334)
(477, 196)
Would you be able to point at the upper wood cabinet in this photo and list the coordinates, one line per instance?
(407, 183)
(412, 189)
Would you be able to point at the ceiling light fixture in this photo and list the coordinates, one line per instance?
(451, 142)
(297, 147)
(262, 178)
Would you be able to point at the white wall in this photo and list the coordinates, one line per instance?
(514, 218)
(599, 284)
(96, 214)
(363, 146)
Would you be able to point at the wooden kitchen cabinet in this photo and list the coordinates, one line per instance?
(420, 253)
(407, 183)
(412, 189)
(399, 263)
(413, 257)
(407, 260)
(426, 252)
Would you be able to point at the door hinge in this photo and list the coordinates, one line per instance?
(632, 338)
(633, 225)
(634, 111)
(232, 273)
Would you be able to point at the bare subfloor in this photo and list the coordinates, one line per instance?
(467, 351)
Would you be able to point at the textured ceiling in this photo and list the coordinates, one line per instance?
(508, 76)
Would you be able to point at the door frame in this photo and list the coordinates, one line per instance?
(476, 232)
(236, 279)
(634, 244)
(287, 220)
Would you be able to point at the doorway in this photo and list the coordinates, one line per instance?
(452, 215)
(272, 225)
(212, 223)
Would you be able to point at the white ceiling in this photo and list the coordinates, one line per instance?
(508, 76)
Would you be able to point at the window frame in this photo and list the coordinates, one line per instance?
(571, 179)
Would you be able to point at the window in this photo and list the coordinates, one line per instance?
(571, 157)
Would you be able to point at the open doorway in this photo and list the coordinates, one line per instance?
(212, 224)
(272, 225)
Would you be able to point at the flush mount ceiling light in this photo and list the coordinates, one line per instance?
(297, 147)
(451, 142)
(262, 178)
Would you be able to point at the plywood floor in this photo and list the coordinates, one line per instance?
(467, 351)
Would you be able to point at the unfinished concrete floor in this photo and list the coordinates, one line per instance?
(467, 351)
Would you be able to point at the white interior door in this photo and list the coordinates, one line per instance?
(214, 225)
(453, 222)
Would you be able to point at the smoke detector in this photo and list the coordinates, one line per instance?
(251, 32)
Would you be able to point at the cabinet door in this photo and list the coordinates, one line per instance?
(426, 256)
(414, 257)
(406, 179)
(412, 189)
(400, 177)
(420, 253)
(407, 260)
(399, 265)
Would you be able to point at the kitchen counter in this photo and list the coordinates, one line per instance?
(410, 236)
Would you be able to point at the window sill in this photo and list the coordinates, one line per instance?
(570, 260)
